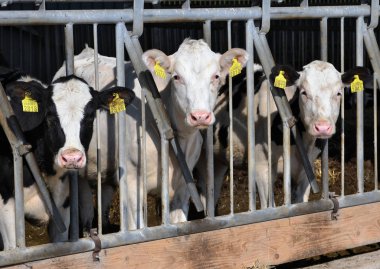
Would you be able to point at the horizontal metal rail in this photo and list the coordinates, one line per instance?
(161, 232)
(177, 15)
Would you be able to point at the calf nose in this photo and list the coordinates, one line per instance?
(200, 117)
(72, 159)
(323, 128)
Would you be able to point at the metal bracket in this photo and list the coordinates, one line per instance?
(24, 149)
(98, 244)
(265, 19)
(374, 14)
(291, 122)
(334, 213)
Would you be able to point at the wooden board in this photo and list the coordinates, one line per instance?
(273, 242)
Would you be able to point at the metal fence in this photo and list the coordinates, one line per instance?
(258, 46)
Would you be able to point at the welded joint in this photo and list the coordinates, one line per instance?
(98, 244)
(23, 149)
(374, 21)
(335, 210)
(291, 122)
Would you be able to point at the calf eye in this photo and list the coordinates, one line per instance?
(339, 94)
(176, 77)
(304, 93)
(216, 76)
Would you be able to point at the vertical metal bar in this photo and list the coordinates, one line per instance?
(19, 198)
(69, 48)
(375, 122)
(342, 137)
(210, 208)
(231, 130)
(120, 75)
(165, 181)
(359, 109)
(74, 215)
(98, 150)
(287, 165)
(251, 120)
(325, 149)
(269, 136)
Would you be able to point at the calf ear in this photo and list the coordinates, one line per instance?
(226, 60)
(362, 72)
(16, 92)
(104, 98)
(159, 59)
(290, 74)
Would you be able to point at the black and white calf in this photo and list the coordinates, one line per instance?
(60, 133)
(314, 94)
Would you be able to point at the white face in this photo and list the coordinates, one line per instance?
(196, 77)
(320, 88)
(70, 99)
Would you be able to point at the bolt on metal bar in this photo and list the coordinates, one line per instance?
(210, 207)
(19, 198)
(249, 25)
(155, 103)
(98, 150)
(342, 136)
(231, 127)
(120, 75)
(359, 109)
(325, 148)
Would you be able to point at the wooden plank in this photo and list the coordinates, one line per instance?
(273, 242)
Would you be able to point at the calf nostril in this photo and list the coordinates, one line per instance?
(64, 159)
(207, 116)
(193, 117)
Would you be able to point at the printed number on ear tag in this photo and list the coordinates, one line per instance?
(29, 104)
(357, 84)
(117, 104)
(159, 70)
(235, 68)
(280, 81)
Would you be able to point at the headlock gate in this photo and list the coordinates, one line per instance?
(274, 235)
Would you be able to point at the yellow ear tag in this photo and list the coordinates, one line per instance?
(159, 70)
(280, 81)
(117, 104)
(29, 104)
(357, 84)
(235, 68)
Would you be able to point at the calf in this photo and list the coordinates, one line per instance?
(314, 94)
(188, 84)
(59, 133)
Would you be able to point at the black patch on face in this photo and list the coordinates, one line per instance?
(87, 124)
(67, 78)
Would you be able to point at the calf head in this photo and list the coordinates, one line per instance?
(196, 74)
(67, 110)
(320, 88)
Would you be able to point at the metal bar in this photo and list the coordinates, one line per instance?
(269, 143)
(231, 130)
(69, 48)
(120, 75)
(265, 18)
(342, 137)
(325, 149)
(98, 150)
(359, 109)
(178, 15)
(19, 198)
(74, 213)
(287, 165)
(165, 181)
(138, 22)
(210, 207)
(250, 118)
(374, 14)
(155, 103)
(375, 122)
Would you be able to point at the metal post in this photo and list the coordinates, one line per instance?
(69, 48)
(342, 137)
(375, 122)
(210, 208)
(325, 150)
(98, 150)
(19, 198)
(165, 205)
(251, 120)
(359, 109)
(231, 130)
(120, 74)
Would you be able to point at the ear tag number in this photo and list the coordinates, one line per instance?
(235, 68)
(280, 81)
(159, 70)
(117, 104)
(29, 104)
(357, 84)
